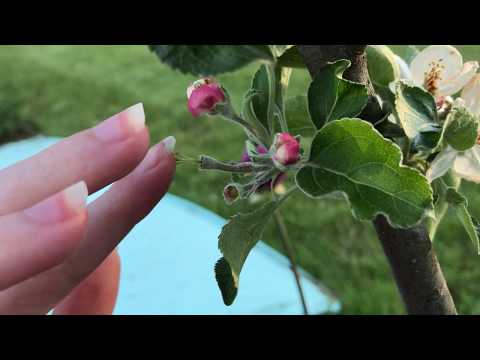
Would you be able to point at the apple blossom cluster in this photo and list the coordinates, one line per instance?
(261, 168)
(396, 146)
(441, 71)
(437, 69)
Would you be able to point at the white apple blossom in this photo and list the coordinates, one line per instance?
(439, 69)
(465, 164)
(471, 95)
(404, 68)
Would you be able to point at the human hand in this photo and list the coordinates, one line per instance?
(55, 251)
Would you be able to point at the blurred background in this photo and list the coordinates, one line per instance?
(59, 90)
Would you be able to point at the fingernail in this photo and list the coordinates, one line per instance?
(157, 153)
(169, 144)
(121, 126)
(61, 206)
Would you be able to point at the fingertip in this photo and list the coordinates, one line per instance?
(169, 144)
(169, 148)
(122, 125)
(160, 159)
(137, 193)
(75, 197)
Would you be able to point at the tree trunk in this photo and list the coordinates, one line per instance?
(412, 259)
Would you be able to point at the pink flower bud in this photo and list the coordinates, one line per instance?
(203, 95)
(286, 149)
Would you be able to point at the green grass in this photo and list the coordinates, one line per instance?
(64, 89)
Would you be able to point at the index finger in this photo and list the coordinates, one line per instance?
(99, 156)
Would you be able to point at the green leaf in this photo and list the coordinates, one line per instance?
(417, 112)
(291, 58)
(475, 238)
(298, 117)
(267, 90)
(440, 187)
(236, 240)
(204, 60)
(330, 97)
(227, 283)
(460, 204)
(388, 98)
(351, 157)
(461, 129)
(454, 198)
(251, 149)
(389, 129)
(261, 95)
(383, 70)
(382, 66)
(249, 115)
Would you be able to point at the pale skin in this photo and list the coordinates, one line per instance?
(58, 253)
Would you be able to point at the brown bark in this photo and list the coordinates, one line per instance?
(412, 259)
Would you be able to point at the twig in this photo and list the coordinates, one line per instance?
(282, 229)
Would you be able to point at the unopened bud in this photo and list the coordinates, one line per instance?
(231, 194)
(203, 96)
(286, 149)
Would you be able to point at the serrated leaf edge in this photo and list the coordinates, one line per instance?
(345, 195)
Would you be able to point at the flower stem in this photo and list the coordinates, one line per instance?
(227, 112)
(282, 229)
(209, 163)
(251, 133)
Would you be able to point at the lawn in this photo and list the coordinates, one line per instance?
(64, 89)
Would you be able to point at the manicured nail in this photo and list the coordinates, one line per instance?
(157, 153)
(169, 144)
(121, 126)
(61, 206)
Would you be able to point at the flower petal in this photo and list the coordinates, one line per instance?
(435, 65)
(204, 98)
(471, 95)
(404, 69)
(442, 163)
(467, 165)
(454, 85)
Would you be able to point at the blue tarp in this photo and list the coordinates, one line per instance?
(168, 259)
